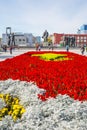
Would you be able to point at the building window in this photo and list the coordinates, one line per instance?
(84, 38)
(78, 37)
(81, 38)
(19, 39)
(77, 40)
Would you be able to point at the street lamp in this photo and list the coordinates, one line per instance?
(8, 31)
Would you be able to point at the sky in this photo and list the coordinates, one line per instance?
(36, 16)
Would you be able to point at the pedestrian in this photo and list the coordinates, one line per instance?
(10, 49)
(82, 49)
(39, 47)
(5, 48)
(67, 43)
(49, 45)
(67, 48)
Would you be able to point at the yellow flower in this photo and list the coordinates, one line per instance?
(4, 110)
(16, 100)
(22, 111)
(12, 108)
(52, 56)
(1, 95)
(7, 96)
(10, 112)
(14, 118)
(15, 112)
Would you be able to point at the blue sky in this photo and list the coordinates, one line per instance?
(35, 16)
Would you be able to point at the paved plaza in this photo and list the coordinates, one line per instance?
(15, 52)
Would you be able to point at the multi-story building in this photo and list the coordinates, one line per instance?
(26, 39)
(79, 38)
(4, 39)
(29, 39)
(20, 40)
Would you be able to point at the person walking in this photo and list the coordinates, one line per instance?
(5, 48)
(82, 49)
(67, 44)
(39, 48)
(10, 49)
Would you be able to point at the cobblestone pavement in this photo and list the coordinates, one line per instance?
(15, 52)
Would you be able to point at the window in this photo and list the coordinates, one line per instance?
(77, 40)
(84, 38)
(19, 39)
(78, 37)
(81, 38)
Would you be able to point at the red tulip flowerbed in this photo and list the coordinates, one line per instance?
(55, 76)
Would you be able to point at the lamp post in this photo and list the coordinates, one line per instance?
(8, 33)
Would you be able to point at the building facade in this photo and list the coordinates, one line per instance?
(79, 38)
(26, 39)
(20, 40)
(29, 39)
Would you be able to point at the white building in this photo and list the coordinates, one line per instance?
(4, 39)
(29, 39)
(20, 40)
(26, 39)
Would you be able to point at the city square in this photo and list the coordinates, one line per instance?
(43, 65)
